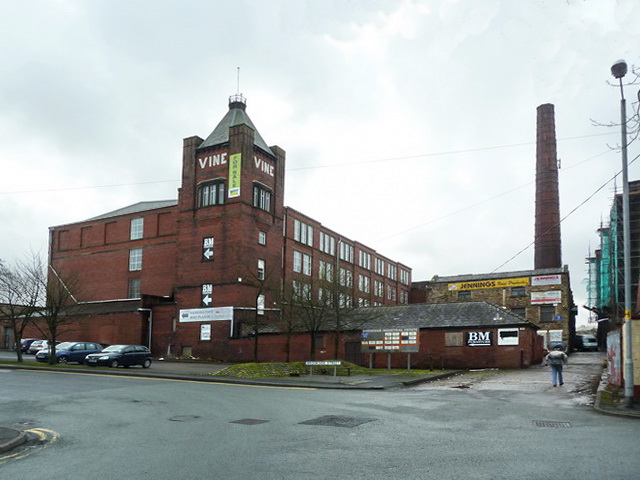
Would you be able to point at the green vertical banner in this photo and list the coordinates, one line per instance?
(235, 162)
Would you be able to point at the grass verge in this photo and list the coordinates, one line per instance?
(265, 370)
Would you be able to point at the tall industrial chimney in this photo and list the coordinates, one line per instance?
(548, 248)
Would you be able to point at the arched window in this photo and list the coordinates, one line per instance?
(211, 193)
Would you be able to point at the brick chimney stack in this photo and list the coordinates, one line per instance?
(548, 247)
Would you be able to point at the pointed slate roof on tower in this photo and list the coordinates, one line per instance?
(236, 115)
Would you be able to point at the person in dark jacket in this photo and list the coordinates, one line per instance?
(556, 359)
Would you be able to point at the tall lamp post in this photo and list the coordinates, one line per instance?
(619, 70)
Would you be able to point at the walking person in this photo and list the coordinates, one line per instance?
(556, 358)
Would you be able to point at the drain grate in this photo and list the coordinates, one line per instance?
(337, 421)
(184, 418)
(249, 421)
(549, 424)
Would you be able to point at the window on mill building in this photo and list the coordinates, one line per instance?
(137, 228)
(211, 193)
(261, 198)
(464, 295)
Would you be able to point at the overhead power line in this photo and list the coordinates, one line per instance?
(311, 167)
(566, 216)
(469, 207)
(437, 154)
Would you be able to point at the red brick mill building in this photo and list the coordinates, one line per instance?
(200, 275)
(196, 275)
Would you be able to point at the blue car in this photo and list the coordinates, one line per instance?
(125, 355)
(67, 352)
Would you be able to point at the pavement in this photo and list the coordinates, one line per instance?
(204, 372)
(607, 405)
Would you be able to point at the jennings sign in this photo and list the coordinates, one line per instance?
(390, 340)
(482, 284)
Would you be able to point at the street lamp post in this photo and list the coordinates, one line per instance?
(619, 70)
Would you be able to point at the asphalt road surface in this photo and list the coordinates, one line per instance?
(483, 425)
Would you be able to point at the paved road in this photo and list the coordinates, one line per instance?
(503, 426)
(532, 385)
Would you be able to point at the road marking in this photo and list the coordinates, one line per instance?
(45, 436)
(169, 379)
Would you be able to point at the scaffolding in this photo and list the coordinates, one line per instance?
(605, 282)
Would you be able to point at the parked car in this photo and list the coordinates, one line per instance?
(36, 346)
(67, 352)
(125, 355)
(586, 342)
(25, 343)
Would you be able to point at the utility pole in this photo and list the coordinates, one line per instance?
(619, 70)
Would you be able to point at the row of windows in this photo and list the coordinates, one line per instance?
(214, 193)
(547, 313)
(302, 263)
(515, 292)
(302, 291)
(303, 233)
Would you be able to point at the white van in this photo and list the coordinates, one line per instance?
(587, 343)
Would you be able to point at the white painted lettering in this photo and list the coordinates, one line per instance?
(213, 160)
(264, 166)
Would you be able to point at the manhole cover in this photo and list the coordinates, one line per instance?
(184, 418)
(548, 424)
(250, 421)
(337, 421)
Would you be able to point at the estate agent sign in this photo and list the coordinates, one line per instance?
(390, 340)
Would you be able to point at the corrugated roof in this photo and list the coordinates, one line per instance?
(235, 116)
(136, 208)
(444, 315)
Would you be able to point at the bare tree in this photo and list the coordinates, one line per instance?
(59, 306)
(344, 314)
(19, 296)
(312, 307)
(329, 302)
(289, 315)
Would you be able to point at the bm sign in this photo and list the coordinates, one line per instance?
(479, 339)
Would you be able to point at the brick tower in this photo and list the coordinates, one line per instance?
(230, 203)
(548, 247)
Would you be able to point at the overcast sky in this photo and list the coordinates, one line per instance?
(409, 126)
